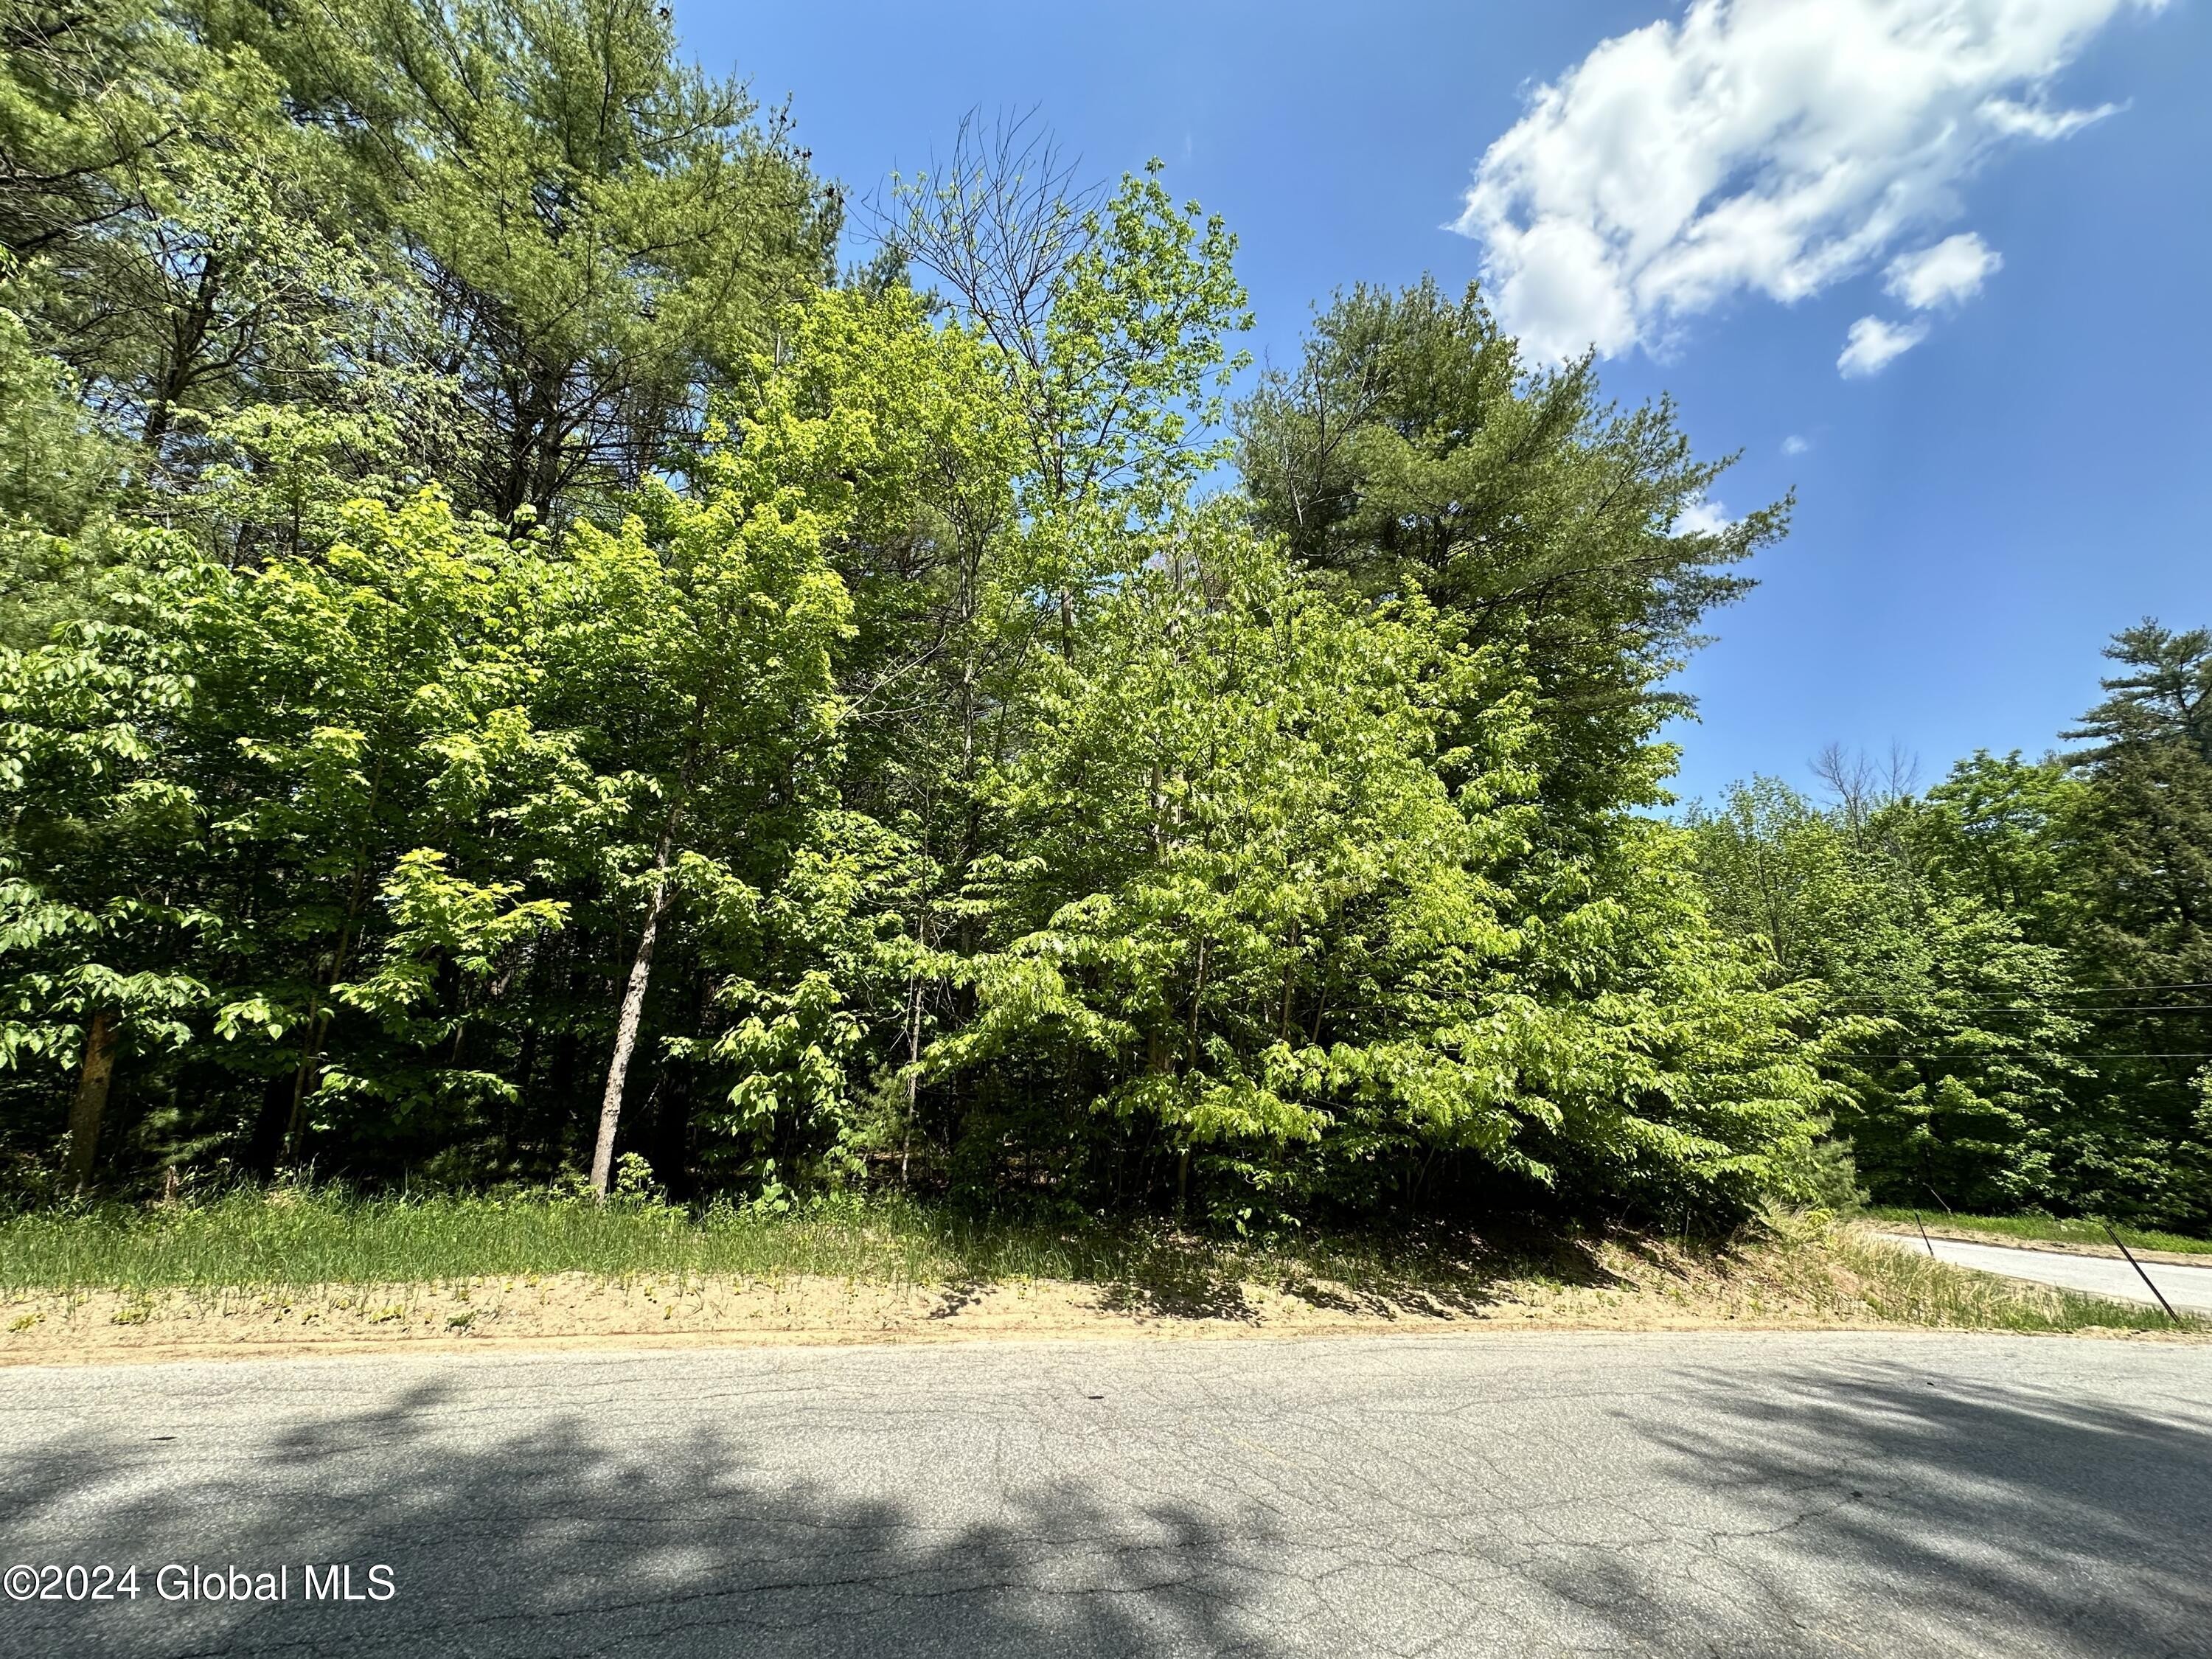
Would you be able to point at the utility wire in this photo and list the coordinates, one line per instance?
(1994, 1005)
(2029, 998)
(2026, 1005)
(2048, 1053)
(2122, 990)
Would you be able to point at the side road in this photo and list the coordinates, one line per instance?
(2186, 1287)
(1885, 1492)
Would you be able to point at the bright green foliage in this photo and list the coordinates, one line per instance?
(697, 653)
(2009, 978)
(1943, 1030)
(53, 465)
(1273, 920)
(1132, 360)
(599, 699)
(1108, 321)
(1238, 826)
(247, 768)
(2003, 832)
(87, 922)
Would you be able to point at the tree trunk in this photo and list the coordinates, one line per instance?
(525, 1069)
(91, 1097)
(311, 1051)
(187, 335)
(264, 1149)
(633, 1008)
(913, 1078)
(562, 1090)
(318, 1012)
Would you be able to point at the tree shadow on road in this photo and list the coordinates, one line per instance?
(543, 1540)
(1980, 1507)
(1851, 1502)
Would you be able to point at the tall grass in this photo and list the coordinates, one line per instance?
(291, 1239)
(2047, 1229)
(1899, 1285)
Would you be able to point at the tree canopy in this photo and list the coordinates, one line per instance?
(512, 663)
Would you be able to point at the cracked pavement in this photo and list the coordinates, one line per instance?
(1537, 1493)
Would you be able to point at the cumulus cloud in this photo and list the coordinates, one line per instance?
(1951, 272)
(1769, 147)
(1874, 342)
(1794, 445)
(1703, 517)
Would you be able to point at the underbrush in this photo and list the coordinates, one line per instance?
(1793, 1269)
(291, 1238)
(2046, 1229)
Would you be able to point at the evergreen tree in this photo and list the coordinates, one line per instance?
(602, 235)
(2145, 829)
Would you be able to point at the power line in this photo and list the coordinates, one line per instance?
(2047, 1053)
(2024, 998)
(2024, 1004)
(2061, 1009)
(2122, 990)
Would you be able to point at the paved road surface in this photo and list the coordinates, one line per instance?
(1733, 1493)
(2189, 1288)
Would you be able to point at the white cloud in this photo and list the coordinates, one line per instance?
(1771, 147)
(1874, 342)
(2034, 121)
(1703, 517)
(1794, 445)
(1951, 272)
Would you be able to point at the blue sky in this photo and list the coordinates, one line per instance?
(1716, 195)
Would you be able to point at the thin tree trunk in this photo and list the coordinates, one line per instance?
(319, 1013)
(91, 1097)
(1197, 993)
(633, 1008)
(265, 1151)
(913, 1080)
(525, 1070)
(187, 334)
(311, 1050)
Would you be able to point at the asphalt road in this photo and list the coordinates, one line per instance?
(1731, 1493)
(2189, 1288)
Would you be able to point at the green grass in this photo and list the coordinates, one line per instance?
(1899, 1285)
(2044, 1228)
(290, 1239)
(293, 1239)
(249, 1240)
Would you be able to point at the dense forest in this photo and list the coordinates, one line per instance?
(521, 668)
